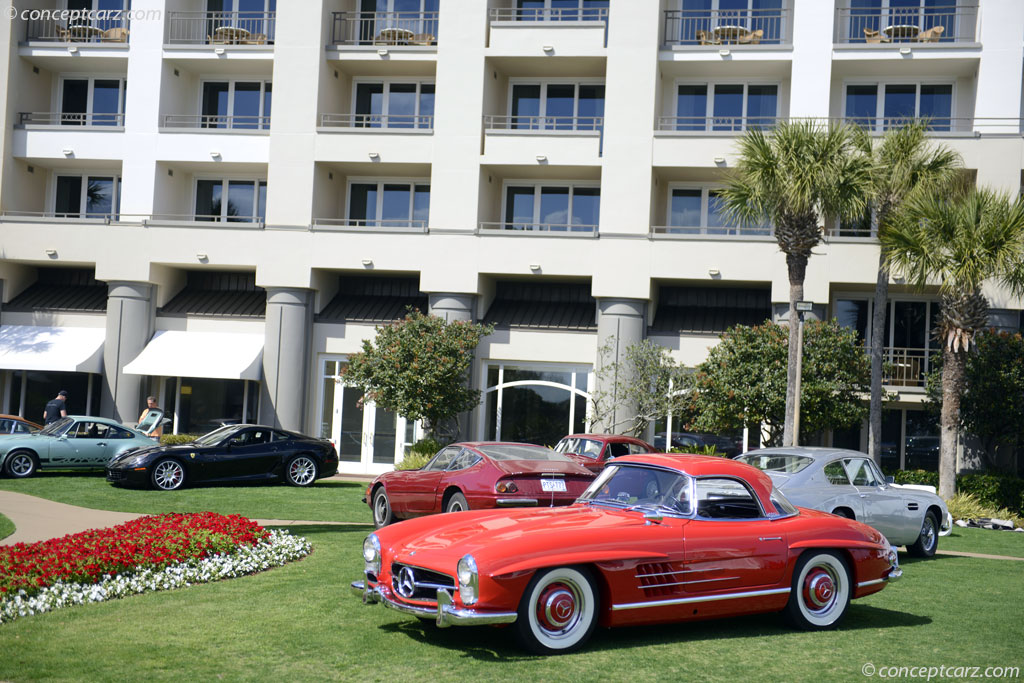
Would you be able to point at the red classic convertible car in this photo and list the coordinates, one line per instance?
(470, 476)
(654, 539)
(593, 451)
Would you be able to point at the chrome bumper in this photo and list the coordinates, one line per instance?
(895, 574)
(947, 525)
(516, 502)
(446, 614)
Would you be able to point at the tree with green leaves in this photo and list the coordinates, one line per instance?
(992, 407)
(647, 380)
(961, 242)
(797, 176)
(902, 164)
(418, 367)
(743, 382)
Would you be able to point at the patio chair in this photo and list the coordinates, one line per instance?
(752, 37)
(932, 35)
(707, 38)
(254, 39)
(217, 40)
(871, 36)
(115, 35)
(423, 39)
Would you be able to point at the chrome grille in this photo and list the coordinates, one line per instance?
(659, 578)
(416, 583)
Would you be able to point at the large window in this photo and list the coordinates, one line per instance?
(556, 106)
(92, 101)
(562, 10)
(726, 106)
(394, 105)
(699, 210)
(573, 208)
(535, 403)
(388, 204)
(201, 404)
(234, 201)
(236, 104)
(87, 196)
(907, 337)
(879, 106)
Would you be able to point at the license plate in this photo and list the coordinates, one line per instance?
(552, 485)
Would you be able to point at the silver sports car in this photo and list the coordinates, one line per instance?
(849, 484)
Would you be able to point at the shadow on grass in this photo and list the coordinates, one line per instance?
(499, 644)
(310, 530)
(252, 483)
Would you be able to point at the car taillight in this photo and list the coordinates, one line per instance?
(506, 487)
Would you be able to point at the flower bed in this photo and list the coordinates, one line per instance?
(158, 552)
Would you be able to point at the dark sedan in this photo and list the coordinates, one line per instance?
(231, 453)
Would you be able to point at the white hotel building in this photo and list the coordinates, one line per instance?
(548, 166)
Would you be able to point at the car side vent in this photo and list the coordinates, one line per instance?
(659, 578)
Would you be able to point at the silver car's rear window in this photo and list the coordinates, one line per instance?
(789, 464)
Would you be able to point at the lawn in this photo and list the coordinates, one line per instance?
(6, 527)
(300, 622)
(984, 541)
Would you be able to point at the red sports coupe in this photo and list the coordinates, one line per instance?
(654, 539)
(470, 476)
(593, 451)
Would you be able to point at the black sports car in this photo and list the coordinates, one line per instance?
(231, 453)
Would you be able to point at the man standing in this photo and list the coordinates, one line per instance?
(56, 409)
(158, 429)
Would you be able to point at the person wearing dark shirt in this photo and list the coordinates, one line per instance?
(56, 409)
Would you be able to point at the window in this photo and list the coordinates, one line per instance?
(464, 461)
(92, 101)
(236, 104)
(234, 201)
(562, 10)
(556, 106)
(699, 210)
(835, 474)
(87, 196)
(860, 472)
(880, 106)
(442, 460)
(901, 20)
(534, 403)
(394, 105)
(726, 499)
(726, 106)
(563, 208)
(389, 204)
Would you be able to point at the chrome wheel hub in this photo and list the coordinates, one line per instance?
(302, 470)
(559, 608)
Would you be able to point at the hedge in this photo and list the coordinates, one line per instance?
(998, 490)
(175, 439)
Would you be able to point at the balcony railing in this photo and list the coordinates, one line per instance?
(712, 232)
(715, 124)
(243, 222)
(544, 123)
(221, 28)
(406, 121)
(551, 229)
(906, 367)
(726, 27)
(383, 225)
(76, 216)
(75, 30)
(56, 118)
(949, 23)
(216, 121)
(384, 28)
(549, 14)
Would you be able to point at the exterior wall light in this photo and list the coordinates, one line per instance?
(52, 253)
(535, 267)
(724, 53)
(548, 49)
(375, 155)
(72, 49)
(67, 152)
(382, 52)
(541, 158)
(714, 272)
(215, 154)
(904, 50)
(367, 262)
(719, 160)
(202, 257)
(218, 51)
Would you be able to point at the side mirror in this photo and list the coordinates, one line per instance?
(63, 437)
(890, 480)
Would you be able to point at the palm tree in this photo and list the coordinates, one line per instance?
(799, 174)
(961, 242)
(902, 164)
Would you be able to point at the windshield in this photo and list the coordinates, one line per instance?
(630, 485)
(56, 428)
(217, 435)
(777, 462)
(522, 453)
(590, 448)
(782, 505)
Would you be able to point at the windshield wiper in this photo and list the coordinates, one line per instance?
(605, 501)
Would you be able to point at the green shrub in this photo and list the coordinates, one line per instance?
(175, 439)
(413, 461)
(969, 506)
(996, 491)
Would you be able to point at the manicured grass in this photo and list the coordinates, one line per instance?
(6, 527)
(986, 541)
(327, 500)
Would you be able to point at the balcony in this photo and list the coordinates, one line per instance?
(402, 122)
(217, 122)
(380, 225)
(906, 367)
(34, 119)
(412, 29)
(539, 229)
(943, 25)
(85, 30)
(752, 232)
(87, 218)
(715, 124)
(549, 14)
(220, 28)
(575, 31)
(545, 124)
(727, 28)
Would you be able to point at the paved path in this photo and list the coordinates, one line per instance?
(38, 519)
(981, 555)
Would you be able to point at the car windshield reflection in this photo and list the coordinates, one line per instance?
(56, 428)
(636, 487)
(790, 464)
(217, 435)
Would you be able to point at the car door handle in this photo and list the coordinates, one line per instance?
(101, 444)
(863, 495)
(770, 538)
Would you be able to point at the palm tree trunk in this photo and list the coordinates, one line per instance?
(877, 345)
(953, 364)
(797, 265)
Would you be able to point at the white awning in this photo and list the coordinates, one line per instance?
(220, 355)
(53, 349)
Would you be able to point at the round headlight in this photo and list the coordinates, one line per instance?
(371, 553)
(469, 580)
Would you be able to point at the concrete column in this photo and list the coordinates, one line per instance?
(130, 322)
(620, 324)
(812, 59)
(289, 324)
(452, 306)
